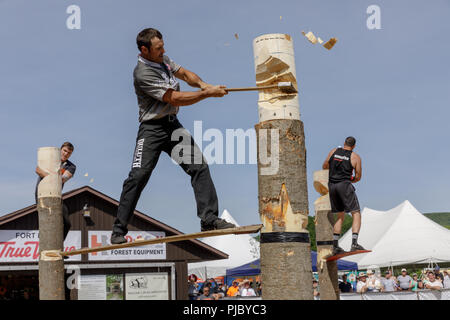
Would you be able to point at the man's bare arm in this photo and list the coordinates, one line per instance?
(187, 98)
(325, 164)
(41, 173)
(191, 78)
(356, 163)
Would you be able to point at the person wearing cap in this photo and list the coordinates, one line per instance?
(233, 290)
(389, 284)
(247, 290)
(361, 286)
(404, 280)
(341, 162)
(415, 282)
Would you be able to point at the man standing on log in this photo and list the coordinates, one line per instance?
(341, 162)
(67, 171)
(159, 98)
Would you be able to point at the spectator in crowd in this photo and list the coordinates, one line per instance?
(259, 288)
(404, 281)
(247, 290)
(373, 283)
(415, 282)
(345, 286)
(432, 283)
(437, 274)
(233, 290)
(221, 290)
(361, 286)
(388, 282)
(206, 293)
(316, 292)
(193, 287)
(446, 282)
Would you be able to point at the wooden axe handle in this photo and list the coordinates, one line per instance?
(251, 88)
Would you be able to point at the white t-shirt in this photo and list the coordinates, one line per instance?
(373, 284)
(435, 283)
(360, 285)
(248, 292)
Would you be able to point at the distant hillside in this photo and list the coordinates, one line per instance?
(442, 218)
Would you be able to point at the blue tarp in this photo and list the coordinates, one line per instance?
(254, 268)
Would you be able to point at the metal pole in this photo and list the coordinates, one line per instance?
(51, 269)
(327, 270)
(286, 270)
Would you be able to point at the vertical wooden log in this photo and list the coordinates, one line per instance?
(328, 272)
(51, 266)
(286, 270)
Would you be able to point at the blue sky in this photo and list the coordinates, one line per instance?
(389, 88)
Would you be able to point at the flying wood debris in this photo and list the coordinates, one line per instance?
(236, 36)
(310, 36)
(330, 43)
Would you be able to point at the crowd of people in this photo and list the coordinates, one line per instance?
(212, 290)
(369, 282)
(366, 282)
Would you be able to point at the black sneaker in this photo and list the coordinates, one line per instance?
(338, 250)
(356, 247)
(216, 225)
(117, 238)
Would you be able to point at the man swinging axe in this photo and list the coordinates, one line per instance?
(159, 98)
(341, 162)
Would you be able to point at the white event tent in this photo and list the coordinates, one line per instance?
(399, 236)
(241, 249)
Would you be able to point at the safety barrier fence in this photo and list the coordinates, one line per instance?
(409, 295)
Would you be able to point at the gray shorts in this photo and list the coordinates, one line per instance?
(343, 197)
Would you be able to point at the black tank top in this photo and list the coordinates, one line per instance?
(340, 166)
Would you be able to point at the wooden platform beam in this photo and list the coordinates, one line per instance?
(181, 237)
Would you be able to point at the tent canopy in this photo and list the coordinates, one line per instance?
(240, 249)
(254, 267)
(400, 236)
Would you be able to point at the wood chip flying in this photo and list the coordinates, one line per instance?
(330, 43)
(236, 36)
(310, 36)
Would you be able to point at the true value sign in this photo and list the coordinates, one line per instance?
(23, 245)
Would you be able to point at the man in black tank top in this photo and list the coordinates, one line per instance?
(341, 162)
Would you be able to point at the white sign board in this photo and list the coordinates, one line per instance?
(147, 286)
(92, 287)
(23, 245)
(148, 252)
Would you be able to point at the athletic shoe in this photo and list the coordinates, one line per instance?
(356, 247)
(117, 238)
(338, 250)
(216, 225)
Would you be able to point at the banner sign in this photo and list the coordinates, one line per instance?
(23, 245)
(148, 252)
(147, 286)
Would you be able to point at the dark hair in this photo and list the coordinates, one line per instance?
(350, 141)
(144, 38)
(68, 145)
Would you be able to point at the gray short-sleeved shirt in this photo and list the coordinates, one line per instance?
(388, 284)
(404, 281)
(151, 81)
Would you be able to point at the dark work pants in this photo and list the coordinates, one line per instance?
(153, 137)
